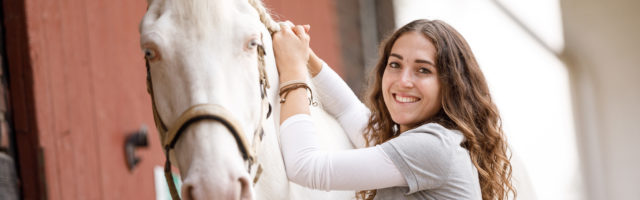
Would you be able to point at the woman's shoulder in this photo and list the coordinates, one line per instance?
(424, 154)
(429, 139)
(436, 133)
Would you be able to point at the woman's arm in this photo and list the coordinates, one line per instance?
(305, 163)
(315, 63)
(291, 46)
(340, 101)
(357, 169)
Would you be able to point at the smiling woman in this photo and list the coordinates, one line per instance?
(431, 130)
(532, 86)
(410, 85)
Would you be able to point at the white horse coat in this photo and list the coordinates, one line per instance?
(203, 52)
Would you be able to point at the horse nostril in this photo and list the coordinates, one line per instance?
(187, 192)
(246, 191)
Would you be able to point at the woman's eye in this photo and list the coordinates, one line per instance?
(149, 54)
(394, 65)
(424, 70)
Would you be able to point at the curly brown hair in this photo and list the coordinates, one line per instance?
(466, 106)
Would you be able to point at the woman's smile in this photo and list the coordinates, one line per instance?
(410, 84)
(402, 98)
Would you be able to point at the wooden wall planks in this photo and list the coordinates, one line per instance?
(78, 80)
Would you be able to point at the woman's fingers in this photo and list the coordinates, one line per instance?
(301, 32)
(285, 27)
(289, 23)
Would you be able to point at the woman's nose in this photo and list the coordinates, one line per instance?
(406, 79)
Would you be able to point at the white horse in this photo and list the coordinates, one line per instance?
(207, 52)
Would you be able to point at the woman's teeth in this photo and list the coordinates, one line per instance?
(406, 99)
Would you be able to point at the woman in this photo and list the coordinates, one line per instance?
(431, 130)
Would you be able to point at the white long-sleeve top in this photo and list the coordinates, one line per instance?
(355, 169)
(426, 162)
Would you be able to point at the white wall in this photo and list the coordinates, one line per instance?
(603, 50)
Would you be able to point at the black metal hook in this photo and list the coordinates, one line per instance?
(133, 141)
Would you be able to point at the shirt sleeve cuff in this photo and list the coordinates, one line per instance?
(294, 119)
(390, 150)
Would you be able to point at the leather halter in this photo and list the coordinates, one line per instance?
(170, 135)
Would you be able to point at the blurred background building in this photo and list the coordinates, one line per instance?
(562, 72)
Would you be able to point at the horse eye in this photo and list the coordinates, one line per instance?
(253, 43)
(149, 54)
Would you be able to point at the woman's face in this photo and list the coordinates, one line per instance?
(410, 85)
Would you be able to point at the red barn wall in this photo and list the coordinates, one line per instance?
(78, 87)
(321, 15)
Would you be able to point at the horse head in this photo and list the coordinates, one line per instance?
(205, 65)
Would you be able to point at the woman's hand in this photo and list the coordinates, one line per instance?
(291, 49)
(315, 63)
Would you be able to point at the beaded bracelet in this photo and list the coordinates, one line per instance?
(289, 86)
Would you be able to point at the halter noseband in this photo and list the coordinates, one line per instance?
(195, 113)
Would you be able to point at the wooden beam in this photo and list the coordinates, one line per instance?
(23, 101)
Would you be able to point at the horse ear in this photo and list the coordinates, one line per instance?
(149, 2)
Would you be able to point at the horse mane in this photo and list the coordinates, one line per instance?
(265, 16)
(188, 8)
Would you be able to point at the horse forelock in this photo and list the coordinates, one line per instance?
(207, 15)
(202, 14)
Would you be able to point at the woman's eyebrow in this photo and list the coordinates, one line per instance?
(417, 60)
(424, 61)
(396, 55)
